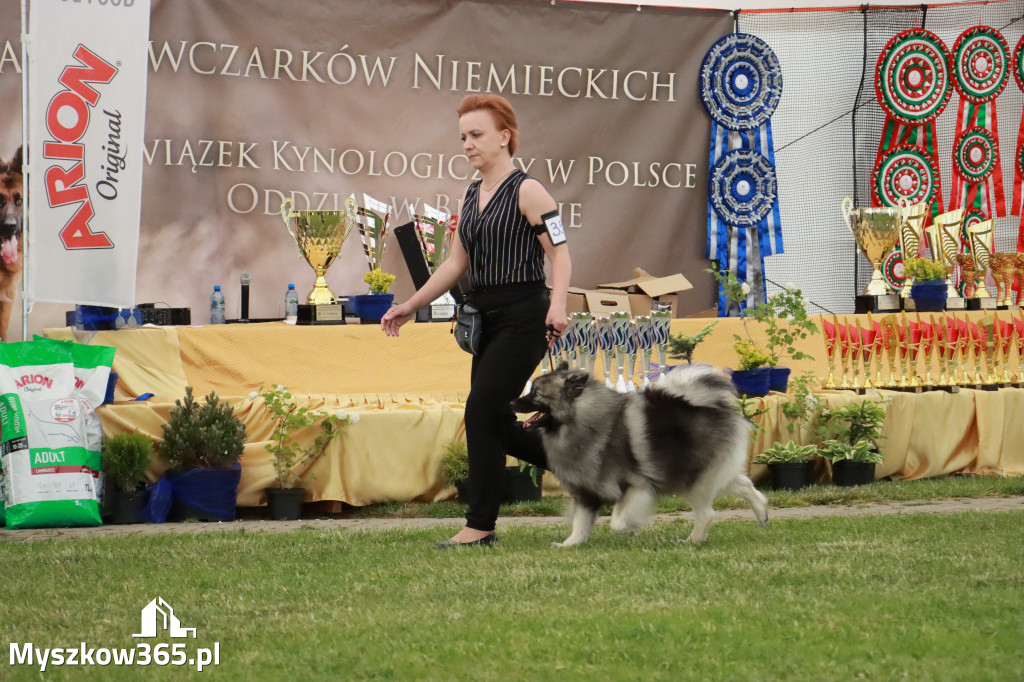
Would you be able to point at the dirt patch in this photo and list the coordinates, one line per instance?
(981, 505)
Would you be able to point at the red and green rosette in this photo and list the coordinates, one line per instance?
(980, 63)
(905, 172)
(912, 83)
(1017, 207)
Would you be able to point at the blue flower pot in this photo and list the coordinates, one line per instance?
(371, 307)
(929, 296)
(779, 379)
(752, 382)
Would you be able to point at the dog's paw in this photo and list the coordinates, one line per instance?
(569, 542)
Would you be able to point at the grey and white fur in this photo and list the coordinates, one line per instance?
(685, 435)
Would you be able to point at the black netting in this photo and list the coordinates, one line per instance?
(828, 125)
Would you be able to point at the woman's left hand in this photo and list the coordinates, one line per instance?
(556, 323)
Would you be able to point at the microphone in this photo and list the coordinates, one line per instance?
(244, 316)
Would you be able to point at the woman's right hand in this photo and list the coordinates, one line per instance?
(395, 317)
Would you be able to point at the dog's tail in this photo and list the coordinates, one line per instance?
(699, 385)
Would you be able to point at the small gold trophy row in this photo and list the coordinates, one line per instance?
(921, 352)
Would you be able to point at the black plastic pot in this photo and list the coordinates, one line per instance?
(791, 475)
(127, 507)
(848, 473)
(284, 504)
(518, 486)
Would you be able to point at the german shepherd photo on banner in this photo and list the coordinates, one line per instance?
(685, 435)
(12, 247)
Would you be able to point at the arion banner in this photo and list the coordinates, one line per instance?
(86, 118)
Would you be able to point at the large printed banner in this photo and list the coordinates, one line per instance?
(86, 117)
(251, 102)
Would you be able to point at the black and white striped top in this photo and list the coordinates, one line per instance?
(502, 247)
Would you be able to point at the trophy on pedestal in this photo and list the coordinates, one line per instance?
(951, 334)
(661, 323)
(828, 330)
(981, 235)
(843, 334)
(435, 232)
(875, 230)
(911, 228)
(645, 344)
(853, 334)
(927, 344)
(890, 342)
(1018, 326)
(867, 348)
(620, 333)
(606, 343)
(632, 347)
(1005, 340)
(1002, 266)
(319, 236)
(944, 244)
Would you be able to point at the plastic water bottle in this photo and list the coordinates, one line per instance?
(291, 304)
(216, 306)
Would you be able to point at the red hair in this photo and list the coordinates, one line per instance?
(501, 113)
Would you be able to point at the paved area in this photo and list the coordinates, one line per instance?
(981, 505)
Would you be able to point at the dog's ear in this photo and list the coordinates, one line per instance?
(562, 366)
(16, 162)
(575, 382)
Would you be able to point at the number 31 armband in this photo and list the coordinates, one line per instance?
(553, 226)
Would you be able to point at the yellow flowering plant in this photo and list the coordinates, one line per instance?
(379, 281)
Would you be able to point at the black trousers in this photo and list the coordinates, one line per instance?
(513, 344)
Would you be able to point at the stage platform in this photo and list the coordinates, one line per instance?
(409, 395)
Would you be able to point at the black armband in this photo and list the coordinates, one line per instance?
(552, 225)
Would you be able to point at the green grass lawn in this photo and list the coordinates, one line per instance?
(924, 490)
(911, 597)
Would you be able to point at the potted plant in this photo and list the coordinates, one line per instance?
(681, 346)
(851, 464)
(753, 376)
(790, 464)
(522, 483)
(850, 438)
(203, 442)
(455, 466)
(125, 459)
(372, 306)
(784, 321)
(291, 460)
(929, 286)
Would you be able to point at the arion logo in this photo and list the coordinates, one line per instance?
(159, 612)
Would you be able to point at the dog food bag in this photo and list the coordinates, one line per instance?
(50, 473)
(92, 372)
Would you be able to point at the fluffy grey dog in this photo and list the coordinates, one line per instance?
(686, 435)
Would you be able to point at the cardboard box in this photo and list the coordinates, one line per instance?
(641, 291)
(632, 296)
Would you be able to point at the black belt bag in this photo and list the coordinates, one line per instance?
(468, 328)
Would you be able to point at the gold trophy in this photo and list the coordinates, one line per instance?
(319, 236)
(981, 236)
(911, 227)
(927, 344)
(875, 230)
(1002, 265)
(944, 243)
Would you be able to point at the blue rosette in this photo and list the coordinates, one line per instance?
(741, 86)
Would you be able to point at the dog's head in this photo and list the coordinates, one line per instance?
(552, 396)
(12, 209)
